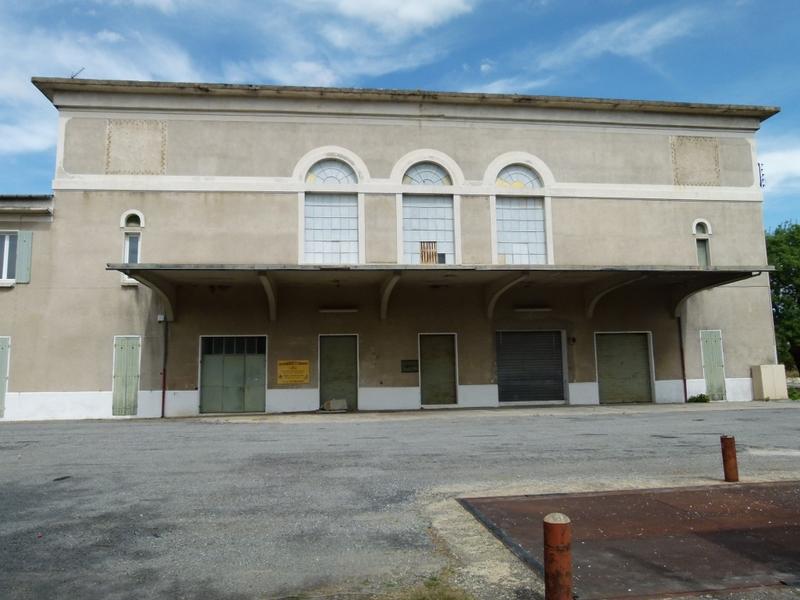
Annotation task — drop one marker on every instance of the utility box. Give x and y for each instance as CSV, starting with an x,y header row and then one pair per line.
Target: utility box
x,y
769,382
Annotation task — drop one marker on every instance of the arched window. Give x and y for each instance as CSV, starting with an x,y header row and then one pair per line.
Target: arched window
x,y
521,237
702,234
518,177
427,173
428,224
331,170
331,220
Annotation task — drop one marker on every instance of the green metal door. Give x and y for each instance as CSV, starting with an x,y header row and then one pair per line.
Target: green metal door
x,y
126,375
437,369
233,374
713,363
255,383
5,352
338,369
623,368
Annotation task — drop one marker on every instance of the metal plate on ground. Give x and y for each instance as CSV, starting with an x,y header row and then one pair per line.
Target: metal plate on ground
x,y
639,543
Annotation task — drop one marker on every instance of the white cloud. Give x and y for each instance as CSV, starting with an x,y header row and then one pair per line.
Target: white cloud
x,y
111,37
637,37
487,66
165,6
781,160
510,85
390,16
26,120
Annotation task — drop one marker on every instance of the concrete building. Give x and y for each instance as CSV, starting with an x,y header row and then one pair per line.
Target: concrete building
x,y
233,248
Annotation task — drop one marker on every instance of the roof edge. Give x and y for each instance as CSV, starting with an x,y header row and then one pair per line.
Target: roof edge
x,y
50,85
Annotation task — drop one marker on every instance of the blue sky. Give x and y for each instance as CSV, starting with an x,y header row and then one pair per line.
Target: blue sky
x,y
727,51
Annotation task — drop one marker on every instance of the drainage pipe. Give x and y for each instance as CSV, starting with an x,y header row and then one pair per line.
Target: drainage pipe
x,y
164,369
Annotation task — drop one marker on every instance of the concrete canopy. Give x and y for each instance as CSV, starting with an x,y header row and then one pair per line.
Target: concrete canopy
x,y
592,283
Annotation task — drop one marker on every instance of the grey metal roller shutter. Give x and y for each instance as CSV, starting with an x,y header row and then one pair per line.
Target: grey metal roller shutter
x,y
530,366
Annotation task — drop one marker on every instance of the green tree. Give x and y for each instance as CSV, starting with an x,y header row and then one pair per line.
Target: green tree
x,y
783,252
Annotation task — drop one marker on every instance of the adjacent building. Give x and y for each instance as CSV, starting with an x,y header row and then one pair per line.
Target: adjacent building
x,y
216,248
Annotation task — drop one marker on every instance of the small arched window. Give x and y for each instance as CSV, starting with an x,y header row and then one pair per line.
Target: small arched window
x,y
331,171
702,234
427,173
518,177
132,222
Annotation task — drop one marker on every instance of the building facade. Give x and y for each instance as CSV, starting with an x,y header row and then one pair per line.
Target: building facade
x,y
229,249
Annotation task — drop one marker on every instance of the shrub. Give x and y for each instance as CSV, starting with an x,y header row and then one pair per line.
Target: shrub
x,y
698,398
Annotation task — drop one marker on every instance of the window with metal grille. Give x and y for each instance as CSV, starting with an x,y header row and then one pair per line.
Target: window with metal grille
x,y
428,234
521,231
331,229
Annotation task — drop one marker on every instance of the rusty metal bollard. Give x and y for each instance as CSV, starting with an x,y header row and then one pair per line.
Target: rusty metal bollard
x,y
557,557
729,465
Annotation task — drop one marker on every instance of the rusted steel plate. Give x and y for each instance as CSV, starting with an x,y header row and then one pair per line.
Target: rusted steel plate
x,y
641,543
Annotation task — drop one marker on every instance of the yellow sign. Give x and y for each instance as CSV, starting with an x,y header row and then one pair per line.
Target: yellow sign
x,y
293,371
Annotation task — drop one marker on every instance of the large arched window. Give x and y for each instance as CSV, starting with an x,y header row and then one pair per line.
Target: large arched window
x,y
428,224
521,236
331,219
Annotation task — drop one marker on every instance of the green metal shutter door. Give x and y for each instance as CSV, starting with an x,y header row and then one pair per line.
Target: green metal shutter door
x,y
233,383
437,366
211,383
126,376
24,254
623,368
530,366
5,351
713,363
338,369
255,392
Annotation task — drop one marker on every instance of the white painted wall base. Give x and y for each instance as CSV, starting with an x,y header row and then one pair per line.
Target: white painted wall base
x,y
669,391
738,389
182,404
695,387
584,392
292,400
149,404
474,396
37,406
388,398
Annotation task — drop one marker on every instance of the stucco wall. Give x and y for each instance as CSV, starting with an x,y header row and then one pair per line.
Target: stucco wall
x,y
246,148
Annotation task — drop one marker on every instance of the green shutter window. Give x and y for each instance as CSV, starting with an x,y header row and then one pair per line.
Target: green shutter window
x,y
126,375
24,253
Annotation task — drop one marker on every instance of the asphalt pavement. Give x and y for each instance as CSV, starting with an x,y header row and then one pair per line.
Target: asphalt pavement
x,y
332,505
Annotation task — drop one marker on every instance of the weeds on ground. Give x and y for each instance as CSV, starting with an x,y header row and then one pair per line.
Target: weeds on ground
x,y
433,589
698,398
794,393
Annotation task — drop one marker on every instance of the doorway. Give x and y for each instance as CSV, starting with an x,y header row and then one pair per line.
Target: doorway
x,y
623,367
338,371
713,363
437,369
233,374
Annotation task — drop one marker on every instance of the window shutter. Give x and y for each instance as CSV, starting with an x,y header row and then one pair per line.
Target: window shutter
x,y
24,253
